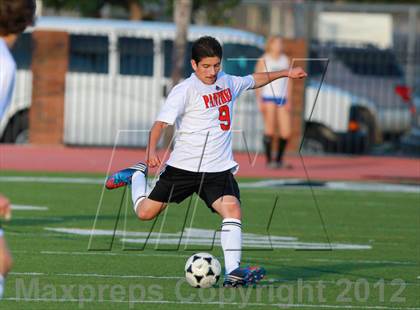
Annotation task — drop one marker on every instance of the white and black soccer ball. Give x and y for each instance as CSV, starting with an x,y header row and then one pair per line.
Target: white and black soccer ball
x,y
202,270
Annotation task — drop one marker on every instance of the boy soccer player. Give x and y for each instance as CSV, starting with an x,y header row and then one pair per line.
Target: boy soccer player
x,y
15,16
201,162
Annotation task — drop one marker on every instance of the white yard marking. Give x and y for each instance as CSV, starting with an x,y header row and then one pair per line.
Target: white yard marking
x,y
93,275
101,253
208,237
374,187
253,258
349,186
54,180
363,261
215,303
27,273
28,208
291,183
188,232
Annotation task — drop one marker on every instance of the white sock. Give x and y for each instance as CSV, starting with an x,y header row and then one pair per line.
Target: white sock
x,y
1,286
231,239
138,188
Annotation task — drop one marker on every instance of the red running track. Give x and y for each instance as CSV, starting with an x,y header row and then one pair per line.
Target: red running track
x,y
77,159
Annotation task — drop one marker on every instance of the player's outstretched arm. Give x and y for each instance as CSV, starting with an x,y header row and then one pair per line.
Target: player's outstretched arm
x,y
152,158
263,78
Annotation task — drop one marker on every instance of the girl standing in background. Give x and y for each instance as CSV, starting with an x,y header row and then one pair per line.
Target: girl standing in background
x,y
274,102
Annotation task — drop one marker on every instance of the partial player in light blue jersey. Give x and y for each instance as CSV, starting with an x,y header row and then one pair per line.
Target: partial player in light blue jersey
x,y
15,16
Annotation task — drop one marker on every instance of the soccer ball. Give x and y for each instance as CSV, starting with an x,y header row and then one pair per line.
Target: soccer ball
x,y
202,270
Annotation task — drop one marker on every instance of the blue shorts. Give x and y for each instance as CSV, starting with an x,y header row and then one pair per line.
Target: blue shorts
x,y
279,101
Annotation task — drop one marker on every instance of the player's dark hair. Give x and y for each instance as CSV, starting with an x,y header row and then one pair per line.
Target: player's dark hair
x,y
205,47
16,15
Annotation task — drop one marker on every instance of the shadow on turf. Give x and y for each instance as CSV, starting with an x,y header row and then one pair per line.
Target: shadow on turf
x,y
280,275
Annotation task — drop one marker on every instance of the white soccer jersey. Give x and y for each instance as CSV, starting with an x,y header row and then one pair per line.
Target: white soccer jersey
x,y
277,88
7,77
203,120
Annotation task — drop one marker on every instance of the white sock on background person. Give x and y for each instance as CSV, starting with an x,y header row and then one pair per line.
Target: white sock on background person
x,y
231,239
138,188
1,286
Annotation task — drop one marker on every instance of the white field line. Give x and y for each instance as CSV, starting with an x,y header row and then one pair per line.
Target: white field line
x,y
35,218
292,183
28,208
31,234
54,180
101,253
363,261
215,303
257,244
207,237
130,253
94,275
192,232
374,187
27,273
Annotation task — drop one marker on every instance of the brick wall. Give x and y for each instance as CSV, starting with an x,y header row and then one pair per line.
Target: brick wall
x,y
296,49
49,66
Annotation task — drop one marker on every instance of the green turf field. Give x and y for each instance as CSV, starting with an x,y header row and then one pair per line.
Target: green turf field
x,y
365,257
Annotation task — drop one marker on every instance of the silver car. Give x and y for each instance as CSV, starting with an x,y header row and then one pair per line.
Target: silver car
x,y
375,81
411,142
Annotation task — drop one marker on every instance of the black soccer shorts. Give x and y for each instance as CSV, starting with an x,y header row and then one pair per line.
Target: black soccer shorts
x,y
174,185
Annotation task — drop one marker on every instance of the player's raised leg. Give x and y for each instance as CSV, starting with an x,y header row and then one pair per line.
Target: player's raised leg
x,y
145,208
124,177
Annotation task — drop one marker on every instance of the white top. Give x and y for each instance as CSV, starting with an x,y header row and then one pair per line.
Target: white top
x,y
203,120
7,77
277,88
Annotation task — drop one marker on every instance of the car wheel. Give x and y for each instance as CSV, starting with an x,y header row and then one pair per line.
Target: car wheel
x,y
312,147
17,130
366,129
317,141
22,137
